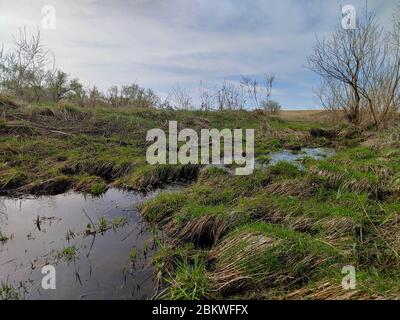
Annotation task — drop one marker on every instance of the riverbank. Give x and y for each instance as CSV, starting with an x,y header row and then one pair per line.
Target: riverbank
x,y
286,231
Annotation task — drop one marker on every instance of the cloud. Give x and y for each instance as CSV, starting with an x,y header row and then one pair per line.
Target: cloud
x,y
160,43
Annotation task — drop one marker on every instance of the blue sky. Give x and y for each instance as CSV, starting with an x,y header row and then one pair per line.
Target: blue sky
x,y
159,43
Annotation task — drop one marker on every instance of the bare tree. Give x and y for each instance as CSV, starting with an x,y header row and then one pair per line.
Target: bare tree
x,y
230,96
23,67
178,98
360,70
269,84
113,96
95,97
252,88
207,97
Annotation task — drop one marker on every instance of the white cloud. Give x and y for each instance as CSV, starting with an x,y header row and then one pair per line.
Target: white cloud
x,y
159,43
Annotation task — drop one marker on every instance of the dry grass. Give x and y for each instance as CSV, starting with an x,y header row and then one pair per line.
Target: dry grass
x,y
328,291
321,116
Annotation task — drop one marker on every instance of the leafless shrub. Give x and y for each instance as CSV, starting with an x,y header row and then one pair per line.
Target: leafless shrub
x,y
24,67
259,94
95,97
178,98
230,97
360,71
207,97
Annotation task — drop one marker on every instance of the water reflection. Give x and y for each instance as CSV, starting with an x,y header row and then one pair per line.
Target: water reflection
x,y
96,265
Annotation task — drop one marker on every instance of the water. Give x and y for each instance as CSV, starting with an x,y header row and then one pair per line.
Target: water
x,y
313,153
101,269
288,156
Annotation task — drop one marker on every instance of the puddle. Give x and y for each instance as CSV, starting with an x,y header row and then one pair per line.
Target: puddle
x,y
101,269
313,153
286,155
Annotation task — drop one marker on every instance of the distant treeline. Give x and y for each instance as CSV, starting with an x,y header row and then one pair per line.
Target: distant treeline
x,y
28,72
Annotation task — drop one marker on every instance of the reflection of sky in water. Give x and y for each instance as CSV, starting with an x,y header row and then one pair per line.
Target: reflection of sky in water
x,y
102,269
314,153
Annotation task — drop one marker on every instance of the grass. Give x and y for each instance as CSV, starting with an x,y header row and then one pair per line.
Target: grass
x,y
189,281
101,147
9,292
133,256
283,232
3,237
68,253
286,233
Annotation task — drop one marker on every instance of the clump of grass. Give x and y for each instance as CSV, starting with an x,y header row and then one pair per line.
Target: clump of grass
x,y
188,282
102,224
133,256
13,178
167,256
261,255
8,292
285,169
93,185
212,171
148,177
68,253
162,207
98,189
3,237
118,222
204,225
263,159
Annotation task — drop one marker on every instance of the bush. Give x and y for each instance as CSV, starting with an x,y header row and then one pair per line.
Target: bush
x,y
271,106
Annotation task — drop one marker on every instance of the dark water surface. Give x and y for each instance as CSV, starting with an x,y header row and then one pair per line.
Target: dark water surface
x,y
101,269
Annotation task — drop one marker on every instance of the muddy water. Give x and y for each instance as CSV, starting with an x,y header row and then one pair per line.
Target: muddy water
x,y
101,268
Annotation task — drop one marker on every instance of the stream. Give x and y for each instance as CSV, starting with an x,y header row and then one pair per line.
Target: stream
x,y
99,265
112,262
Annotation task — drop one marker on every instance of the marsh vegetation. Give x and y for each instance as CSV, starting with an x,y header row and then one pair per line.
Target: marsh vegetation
x,y
325,192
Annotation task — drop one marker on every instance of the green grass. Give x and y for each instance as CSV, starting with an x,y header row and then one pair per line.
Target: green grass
x,y
282,229
189,281
133,256
279,230
68,253
8,292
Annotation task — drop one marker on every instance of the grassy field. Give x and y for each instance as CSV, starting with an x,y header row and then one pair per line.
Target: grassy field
x,y
280,233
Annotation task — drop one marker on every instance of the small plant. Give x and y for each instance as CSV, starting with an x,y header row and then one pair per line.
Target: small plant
x,y
103,225
70,235
145,249
264,159
133,256
8,292
98,189
88,230
118,222
3,237
189,282
68,254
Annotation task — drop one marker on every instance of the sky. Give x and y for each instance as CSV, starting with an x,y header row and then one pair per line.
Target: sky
x,y
161,43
